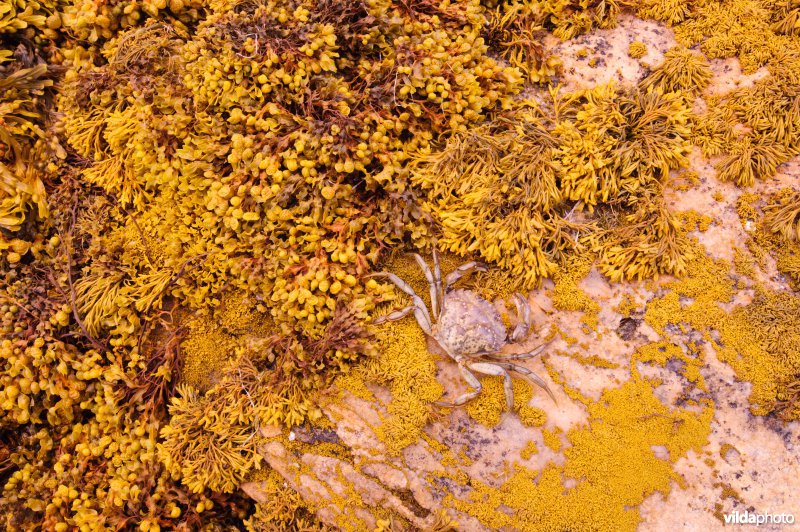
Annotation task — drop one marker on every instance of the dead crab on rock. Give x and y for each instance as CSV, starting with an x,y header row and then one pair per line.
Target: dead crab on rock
x,y
468,328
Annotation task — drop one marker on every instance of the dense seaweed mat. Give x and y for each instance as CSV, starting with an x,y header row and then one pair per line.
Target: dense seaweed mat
x,y
192,196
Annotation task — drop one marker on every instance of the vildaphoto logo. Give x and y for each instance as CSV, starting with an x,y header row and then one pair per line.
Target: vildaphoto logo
x,y
753,518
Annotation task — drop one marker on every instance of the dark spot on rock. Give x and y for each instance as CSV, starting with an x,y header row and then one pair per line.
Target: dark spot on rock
x,y
407,497
308,434
602,45
627,327
676,365
506,510
776,425
444,486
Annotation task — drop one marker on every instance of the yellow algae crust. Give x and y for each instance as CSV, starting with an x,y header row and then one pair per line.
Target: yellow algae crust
x,y
489,407
409,370
610,468
758,340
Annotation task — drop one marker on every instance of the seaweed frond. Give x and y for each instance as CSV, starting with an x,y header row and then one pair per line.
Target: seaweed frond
x,y
658,128
645,243
205,447
772,109
282,509
99,296
491,191
151,390
22,193
671,12
637,49
782,214
517,30
713,130
787,18
616,138
682,70
750,160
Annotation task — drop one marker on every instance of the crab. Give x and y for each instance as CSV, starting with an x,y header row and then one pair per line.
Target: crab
x,y
468,328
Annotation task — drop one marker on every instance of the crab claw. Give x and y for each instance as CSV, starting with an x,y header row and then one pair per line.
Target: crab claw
x,y
461,271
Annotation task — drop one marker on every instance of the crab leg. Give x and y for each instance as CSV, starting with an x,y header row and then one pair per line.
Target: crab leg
x,y
531,375
461,271
497,370
420,312
394,315
520,356
523,318
472,380
437,277
431,284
